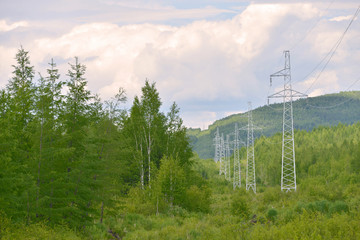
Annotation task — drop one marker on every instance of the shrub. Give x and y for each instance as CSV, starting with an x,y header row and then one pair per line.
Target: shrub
x,y
338,207
271,214
239,204
197,199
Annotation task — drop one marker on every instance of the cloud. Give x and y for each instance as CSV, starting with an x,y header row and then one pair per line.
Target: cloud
x,y
4,27
197,121
328,82
209,67
198,60
120,12
6,60
341,18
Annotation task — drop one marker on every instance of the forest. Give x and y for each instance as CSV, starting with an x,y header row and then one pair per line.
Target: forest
x,y
76,167
309,113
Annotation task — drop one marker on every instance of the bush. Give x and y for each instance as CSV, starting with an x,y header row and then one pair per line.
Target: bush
x,y
338,207
197,199
239,204
272,194
271,214
322,206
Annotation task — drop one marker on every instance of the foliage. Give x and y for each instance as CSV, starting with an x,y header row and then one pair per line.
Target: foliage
x,y
309,113
240,204
74,167
67,158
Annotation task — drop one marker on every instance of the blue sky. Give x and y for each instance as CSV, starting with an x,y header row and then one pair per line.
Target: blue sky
x,y
211,57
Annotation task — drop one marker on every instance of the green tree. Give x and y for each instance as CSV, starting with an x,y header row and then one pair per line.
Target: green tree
x,y
108,142
46,141
153,127
80,169
177,142
172,181
134,133
20,114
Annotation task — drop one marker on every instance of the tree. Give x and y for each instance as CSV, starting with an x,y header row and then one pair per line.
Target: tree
x,y
133,129
20,114
177,144
107,142
172,182
75,117
153,127
46,140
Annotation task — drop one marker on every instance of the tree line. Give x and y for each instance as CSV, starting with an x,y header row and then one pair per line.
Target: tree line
x,y
67,157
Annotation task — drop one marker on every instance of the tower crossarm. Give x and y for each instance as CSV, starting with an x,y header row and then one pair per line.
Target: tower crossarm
x,y
280,73
284,93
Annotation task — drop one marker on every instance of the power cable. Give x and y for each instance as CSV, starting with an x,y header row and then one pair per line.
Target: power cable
x,y
311,29
338,104
334,49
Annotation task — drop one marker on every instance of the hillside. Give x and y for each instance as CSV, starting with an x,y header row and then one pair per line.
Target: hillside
x,y
326,110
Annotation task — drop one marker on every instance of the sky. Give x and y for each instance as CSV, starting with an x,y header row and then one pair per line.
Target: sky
x,y
210,57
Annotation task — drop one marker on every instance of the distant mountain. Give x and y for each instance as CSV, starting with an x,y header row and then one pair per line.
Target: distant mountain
x,y
325,110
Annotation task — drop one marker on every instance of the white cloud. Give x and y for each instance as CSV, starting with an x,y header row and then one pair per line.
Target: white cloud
x,y
210,66
6,60
5,27
341,18
232,112
196,120
329,82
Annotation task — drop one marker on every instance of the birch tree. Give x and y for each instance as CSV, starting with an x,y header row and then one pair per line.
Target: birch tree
x,y
153,126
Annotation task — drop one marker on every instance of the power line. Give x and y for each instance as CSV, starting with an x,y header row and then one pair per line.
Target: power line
x,y
311,29
329,107
334,49
338,104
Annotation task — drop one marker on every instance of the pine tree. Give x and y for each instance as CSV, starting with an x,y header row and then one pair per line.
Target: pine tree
x,y
47,138
75,120
20,116
108,142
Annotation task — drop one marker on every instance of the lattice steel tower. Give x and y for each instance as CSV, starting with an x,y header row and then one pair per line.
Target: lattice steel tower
x,y
237,168
222,155
250,168
217,145
288,172
227,158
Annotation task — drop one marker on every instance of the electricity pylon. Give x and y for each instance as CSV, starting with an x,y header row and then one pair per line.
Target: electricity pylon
x,y
217,145
227,158
222,155
237,167
288,173
250,159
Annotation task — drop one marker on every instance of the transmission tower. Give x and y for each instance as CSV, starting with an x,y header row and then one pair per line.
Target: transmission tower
x,y
288,173
222,155
250,162
227,158
237,168
217,145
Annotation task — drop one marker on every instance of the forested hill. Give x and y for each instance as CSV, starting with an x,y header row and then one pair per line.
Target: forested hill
x,y
326,110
